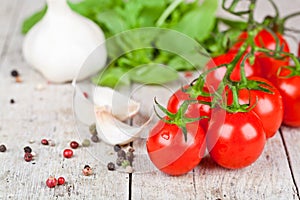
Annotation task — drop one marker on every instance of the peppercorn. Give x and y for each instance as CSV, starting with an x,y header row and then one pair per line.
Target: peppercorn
x,y
130,149
121,153
125,163
129,156
51,143
12,101
68,153
14,73
93,129
86,143
87,170
95,138
51,182
2,148
27,149
111,166
74,145
117,148
28,157
18,79
119,161
85,94
44,142
60,181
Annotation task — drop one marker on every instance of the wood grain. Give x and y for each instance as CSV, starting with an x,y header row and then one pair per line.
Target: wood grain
x,y
47,113
268,178
38,114
8,10
291,139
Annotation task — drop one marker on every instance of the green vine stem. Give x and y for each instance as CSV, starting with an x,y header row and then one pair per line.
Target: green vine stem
x,y
291,55
167,12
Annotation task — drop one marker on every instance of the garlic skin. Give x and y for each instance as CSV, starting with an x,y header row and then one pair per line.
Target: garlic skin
x,y
107,108
121,106
60,44
113,131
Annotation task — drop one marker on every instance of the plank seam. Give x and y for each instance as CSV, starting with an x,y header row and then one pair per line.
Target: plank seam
x,y
130,175
289,163
194,184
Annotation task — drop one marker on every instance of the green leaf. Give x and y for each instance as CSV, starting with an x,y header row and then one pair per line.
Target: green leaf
x,y
114,23
32,20
179,64
153,3
112,77
153,74
199,22
240,25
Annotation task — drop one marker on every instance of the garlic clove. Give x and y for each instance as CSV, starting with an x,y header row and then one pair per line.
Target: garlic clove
x,y
121,106
113,131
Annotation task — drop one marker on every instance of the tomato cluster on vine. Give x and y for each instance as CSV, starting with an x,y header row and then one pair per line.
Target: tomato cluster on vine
x,y
237,104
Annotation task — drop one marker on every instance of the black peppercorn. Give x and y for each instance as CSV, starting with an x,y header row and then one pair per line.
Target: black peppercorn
x,y
2,148
27,149
95,138
12,101
111,166
14,73
119,161
117,148
121,153
129,156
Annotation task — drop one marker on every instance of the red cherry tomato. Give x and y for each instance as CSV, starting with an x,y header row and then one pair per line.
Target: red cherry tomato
x,y
215,77
194,110
266,40
169,151
289,89
237,141
269,107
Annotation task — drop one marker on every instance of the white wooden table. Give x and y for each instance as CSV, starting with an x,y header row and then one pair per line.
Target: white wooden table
x,y
47,113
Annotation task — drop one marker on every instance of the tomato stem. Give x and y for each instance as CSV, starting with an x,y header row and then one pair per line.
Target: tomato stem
x,y
236,104
179,119
243,73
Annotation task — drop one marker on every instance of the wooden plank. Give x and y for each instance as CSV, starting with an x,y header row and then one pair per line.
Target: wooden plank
x,y
268,178
7,11
148,182
291,138
39,114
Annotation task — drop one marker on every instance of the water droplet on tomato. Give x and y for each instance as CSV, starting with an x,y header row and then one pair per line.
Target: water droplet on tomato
x,y
166,136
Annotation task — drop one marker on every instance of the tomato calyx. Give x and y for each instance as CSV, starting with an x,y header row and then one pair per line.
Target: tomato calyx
x,y
179,119
196,88
285,72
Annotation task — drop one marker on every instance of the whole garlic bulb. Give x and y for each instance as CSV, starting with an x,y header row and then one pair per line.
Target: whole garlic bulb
x,y
59,45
